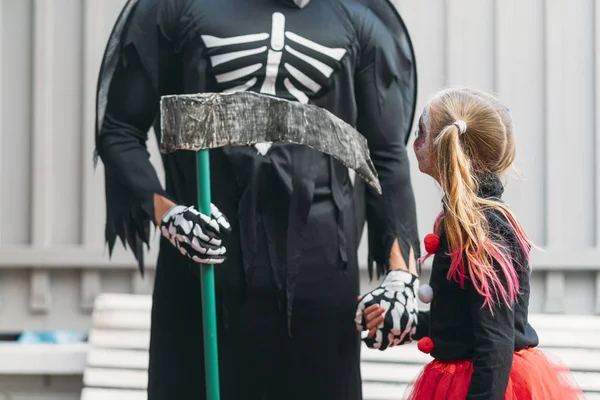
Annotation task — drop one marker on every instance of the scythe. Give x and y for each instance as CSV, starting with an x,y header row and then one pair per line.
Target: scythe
x,y
200,122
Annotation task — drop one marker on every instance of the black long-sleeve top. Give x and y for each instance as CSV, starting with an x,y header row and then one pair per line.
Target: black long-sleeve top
x,y
353,58
461,329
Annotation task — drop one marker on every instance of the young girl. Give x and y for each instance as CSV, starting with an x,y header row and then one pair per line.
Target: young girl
x,y
477,331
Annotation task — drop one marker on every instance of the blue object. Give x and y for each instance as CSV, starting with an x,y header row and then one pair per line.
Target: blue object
x,y
53,337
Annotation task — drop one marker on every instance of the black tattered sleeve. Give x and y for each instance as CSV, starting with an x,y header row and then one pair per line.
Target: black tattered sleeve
x,y
126,106
384,84
130,179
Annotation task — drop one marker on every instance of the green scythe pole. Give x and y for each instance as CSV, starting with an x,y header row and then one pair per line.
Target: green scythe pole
x,y
207,282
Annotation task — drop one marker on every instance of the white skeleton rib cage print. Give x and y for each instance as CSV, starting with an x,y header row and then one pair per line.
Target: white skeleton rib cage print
x,y
274,52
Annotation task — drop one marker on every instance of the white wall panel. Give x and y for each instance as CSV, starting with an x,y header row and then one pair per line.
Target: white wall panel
x,y
17,107
520,83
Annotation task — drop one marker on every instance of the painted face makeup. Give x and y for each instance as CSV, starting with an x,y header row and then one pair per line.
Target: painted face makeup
x,y
421,144
421,137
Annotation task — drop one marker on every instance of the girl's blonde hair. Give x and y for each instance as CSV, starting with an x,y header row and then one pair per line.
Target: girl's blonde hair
x,y
464,161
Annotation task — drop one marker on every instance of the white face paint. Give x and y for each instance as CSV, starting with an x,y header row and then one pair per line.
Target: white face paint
x,y
422,144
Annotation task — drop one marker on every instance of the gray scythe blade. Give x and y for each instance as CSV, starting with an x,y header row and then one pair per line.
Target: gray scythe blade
x,y
210,120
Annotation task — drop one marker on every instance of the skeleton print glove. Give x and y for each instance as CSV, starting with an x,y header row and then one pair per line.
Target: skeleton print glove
x,y
196,235
397,296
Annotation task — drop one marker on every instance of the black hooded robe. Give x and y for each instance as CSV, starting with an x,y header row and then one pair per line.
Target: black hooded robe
x,y
286,295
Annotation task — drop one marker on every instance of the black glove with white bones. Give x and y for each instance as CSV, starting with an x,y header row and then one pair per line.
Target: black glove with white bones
x,y
397,295
196,235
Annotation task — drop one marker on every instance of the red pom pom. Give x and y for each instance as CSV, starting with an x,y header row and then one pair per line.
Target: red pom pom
x,y
432,243
425,345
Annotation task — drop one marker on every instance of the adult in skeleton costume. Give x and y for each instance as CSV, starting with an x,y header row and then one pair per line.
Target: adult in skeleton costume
x,y
288,282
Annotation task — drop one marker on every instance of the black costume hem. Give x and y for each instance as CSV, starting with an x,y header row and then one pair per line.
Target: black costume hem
x,y
382,266
130,221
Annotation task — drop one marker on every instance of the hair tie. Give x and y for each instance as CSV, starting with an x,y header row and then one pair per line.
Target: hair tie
x,y
461,125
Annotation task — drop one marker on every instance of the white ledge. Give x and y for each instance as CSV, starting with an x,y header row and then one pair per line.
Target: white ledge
x,y
42,359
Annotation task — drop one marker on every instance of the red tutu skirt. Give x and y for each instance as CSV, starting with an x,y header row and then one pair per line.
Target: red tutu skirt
x,y
534,376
